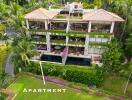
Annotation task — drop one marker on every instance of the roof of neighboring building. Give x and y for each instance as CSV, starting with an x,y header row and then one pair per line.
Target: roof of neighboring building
x,y
101,15
40,14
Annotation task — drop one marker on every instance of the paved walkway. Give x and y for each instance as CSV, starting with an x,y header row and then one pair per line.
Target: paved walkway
x,y
9,68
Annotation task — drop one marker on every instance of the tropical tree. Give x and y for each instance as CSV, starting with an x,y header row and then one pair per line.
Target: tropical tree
x,y
4,13
16,17
98,3
124,9
128,49
3,79
22,51
2,29
111,58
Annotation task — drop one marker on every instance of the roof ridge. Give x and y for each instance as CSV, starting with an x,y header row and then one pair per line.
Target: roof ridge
x,y
112,14
41,9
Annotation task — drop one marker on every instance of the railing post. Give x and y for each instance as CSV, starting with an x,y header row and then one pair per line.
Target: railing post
x,y
48,42
27,23
86,45
89,26
46,25
67,39
68,26
112,27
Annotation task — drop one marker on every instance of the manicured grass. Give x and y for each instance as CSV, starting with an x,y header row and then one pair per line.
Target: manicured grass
x,y
24,81
115,85
3,53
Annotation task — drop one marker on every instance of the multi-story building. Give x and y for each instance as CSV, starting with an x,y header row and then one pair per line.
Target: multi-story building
x,y
86,33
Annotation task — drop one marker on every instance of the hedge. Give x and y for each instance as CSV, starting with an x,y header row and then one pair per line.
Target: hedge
x,y
91,76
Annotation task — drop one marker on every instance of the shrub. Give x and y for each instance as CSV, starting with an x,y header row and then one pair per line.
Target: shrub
x,y
86,75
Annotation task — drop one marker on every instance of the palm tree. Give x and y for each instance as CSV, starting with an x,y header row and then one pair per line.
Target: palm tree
x,y
4,13
22,51
17,16
124,8
98,3
3,79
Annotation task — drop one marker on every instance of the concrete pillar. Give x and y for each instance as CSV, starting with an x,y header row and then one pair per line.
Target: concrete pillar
x,y
50,25
46,25
48,42
67,39
86,45
89,26
27,23
68,26
112,27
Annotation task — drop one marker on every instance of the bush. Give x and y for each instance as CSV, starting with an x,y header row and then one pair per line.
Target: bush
x,y
86,75
88,6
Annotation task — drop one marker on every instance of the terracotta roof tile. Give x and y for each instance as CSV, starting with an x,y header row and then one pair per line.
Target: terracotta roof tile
x,y
101,15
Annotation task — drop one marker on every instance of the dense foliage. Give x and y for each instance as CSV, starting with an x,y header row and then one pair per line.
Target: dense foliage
x,y
112,57
86,75
22,51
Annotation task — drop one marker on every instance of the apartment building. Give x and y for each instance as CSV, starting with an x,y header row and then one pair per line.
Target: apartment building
x,y
70,33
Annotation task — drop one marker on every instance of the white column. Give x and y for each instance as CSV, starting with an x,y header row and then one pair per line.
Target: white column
x,y
89,26
112,27
67,39
48,42
68,26
46,25
27,23
86,45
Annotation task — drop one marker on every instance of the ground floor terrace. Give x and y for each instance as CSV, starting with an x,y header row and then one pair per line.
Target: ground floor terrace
x,y
75,55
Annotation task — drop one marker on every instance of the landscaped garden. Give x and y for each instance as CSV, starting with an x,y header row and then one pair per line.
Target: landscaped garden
x,y
114,78
23,82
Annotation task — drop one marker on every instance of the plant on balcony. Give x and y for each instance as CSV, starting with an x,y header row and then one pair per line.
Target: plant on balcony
x,y
76,42
76,32
38,40
60,16
98,44
99,33
58,41
57,31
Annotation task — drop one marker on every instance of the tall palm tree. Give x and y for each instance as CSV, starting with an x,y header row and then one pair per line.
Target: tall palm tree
x,y
22,50
4,12
3,79
17,16
124,9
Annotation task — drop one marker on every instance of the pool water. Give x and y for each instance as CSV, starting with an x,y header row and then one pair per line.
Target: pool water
x,y
70,60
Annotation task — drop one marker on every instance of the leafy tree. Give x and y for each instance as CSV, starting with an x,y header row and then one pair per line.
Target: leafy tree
x,y
98,3
128,49
112,57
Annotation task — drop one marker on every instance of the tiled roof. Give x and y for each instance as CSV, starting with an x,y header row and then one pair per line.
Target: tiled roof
x,y
40,14
101,15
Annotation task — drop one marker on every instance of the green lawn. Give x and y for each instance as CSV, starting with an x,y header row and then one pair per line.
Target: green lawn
x,y
3,53
24,81
115,85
